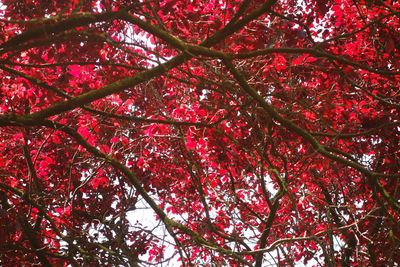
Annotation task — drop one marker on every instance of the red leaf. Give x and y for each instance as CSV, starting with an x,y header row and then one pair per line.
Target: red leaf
x,y
74,70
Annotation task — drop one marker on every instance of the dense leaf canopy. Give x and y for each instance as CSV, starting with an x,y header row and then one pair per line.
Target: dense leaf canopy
x,y
248,132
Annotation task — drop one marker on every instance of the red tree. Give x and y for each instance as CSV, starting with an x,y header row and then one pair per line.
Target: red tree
x,y
257,132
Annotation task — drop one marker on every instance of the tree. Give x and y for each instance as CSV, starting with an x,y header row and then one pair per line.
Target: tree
x,y
257,132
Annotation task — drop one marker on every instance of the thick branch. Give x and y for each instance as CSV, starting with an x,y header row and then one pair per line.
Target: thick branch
x,y
77,20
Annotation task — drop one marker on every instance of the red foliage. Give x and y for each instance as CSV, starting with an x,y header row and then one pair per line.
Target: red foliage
x,y
250,131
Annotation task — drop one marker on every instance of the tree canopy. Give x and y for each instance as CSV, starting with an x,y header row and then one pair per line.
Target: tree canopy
x,y
250,132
